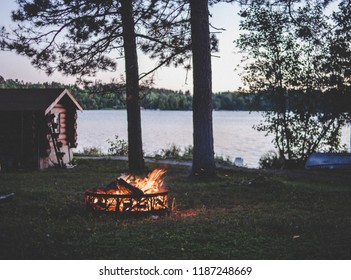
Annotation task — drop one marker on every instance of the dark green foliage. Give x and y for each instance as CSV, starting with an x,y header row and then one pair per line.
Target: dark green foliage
x,y
97,97
238,215
175,152
299,61
118,147
91,151
271,160
164,99
93,98
88,98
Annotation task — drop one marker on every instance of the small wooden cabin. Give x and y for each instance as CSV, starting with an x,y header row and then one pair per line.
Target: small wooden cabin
x,y
38,127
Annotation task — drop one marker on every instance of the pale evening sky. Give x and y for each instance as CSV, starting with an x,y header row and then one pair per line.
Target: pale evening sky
x,y
224,77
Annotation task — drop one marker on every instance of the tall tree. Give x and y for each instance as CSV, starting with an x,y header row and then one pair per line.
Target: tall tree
x,y
203,153
201,46
135,151
287,55
338,66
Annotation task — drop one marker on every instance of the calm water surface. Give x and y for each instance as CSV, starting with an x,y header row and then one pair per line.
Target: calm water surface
x,y
233,132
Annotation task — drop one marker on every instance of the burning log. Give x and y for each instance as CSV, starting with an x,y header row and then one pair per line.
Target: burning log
x,y
136,192
129,194
111,186
7,197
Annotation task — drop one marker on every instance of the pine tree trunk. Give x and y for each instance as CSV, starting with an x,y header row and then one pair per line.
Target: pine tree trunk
x,y
203,153
135,151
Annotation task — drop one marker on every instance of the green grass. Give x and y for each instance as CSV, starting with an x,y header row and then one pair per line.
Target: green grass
x,y
239,215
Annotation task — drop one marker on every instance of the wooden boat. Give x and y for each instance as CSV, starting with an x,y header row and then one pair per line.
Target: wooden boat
x,y
329,161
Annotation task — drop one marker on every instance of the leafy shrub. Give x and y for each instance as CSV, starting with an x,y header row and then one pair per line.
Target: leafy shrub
x,y
91,151
271,160
223,160
118,147
173,151
188,152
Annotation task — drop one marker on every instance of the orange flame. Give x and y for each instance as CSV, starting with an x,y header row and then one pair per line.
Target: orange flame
x,y
152,183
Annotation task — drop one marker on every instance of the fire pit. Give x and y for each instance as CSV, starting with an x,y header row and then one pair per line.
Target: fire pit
x,y
129,194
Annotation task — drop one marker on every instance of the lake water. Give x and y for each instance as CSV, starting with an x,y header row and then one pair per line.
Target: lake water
x,y
233,132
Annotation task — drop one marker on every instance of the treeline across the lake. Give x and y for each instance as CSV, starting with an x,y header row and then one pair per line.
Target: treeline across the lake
x,y
152,98
166,99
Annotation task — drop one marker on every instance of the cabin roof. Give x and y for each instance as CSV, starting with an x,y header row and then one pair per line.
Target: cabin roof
x,y
34,99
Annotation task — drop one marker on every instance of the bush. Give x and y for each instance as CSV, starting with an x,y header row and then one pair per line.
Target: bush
x,y
175,152
188,152
118,147
223,160
91,151
271,160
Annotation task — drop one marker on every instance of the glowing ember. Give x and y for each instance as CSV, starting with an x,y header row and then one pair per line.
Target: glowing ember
x,y
131,194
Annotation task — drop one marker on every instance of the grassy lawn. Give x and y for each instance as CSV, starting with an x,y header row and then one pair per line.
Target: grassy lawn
x,y
239,215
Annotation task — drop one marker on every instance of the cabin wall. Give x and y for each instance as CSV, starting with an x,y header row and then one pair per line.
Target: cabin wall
x,y
21,136
10,138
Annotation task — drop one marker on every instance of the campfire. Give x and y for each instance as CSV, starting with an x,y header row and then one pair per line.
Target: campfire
x,y
129,194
